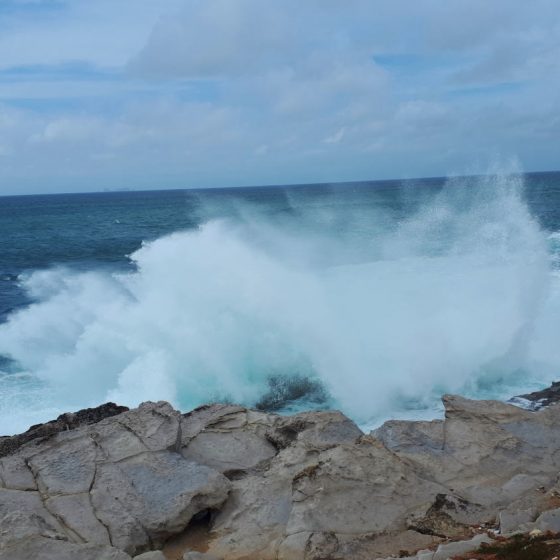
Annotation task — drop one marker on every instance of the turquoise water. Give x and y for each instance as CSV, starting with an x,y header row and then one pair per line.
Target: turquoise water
x,y
382,294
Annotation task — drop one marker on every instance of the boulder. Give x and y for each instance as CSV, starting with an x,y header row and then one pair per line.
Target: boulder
x,y
105,488
157,494
67,421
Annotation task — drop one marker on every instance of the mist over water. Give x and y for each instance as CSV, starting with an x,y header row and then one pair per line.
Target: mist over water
x,y
383,307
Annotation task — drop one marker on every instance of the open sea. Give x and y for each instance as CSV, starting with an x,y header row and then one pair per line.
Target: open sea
x,y
374,297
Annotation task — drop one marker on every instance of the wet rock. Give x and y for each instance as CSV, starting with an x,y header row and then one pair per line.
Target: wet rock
x,y
539,399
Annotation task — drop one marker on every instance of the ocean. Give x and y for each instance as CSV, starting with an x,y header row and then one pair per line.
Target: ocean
x,y
374,298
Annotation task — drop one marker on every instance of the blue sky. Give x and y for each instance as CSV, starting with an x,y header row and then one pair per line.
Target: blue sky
x,y
202,93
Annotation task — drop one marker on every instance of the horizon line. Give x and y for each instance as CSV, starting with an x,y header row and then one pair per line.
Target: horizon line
x,y
117,190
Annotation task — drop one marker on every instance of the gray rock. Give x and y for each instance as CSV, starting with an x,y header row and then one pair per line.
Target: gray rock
x,y
38,548
449,550
156,493
511,521
306,487
15,474
77,514
155,555
113,483
229,451
68,421
549,521
23,515
67,468
192,555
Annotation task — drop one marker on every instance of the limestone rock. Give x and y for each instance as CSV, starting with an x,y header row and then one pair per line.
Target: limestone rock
x,y
511,521
158,494
23,515
16,474
155,555
449,550
76,512
118,483
487,451
39,548
254,485
68,421
549,521
199,556
238,450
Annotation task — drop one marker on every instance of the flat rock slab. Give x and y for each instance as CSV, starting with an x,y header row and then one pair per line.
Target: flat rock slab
x,y
49,549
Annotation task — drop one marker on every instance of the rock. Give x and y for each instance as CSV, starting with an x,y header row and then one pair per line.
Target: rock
x,y
447,517
66,468
488,449
118,483
246,484
238,450
68,421
157,493
192,555
23,515
539,399
38,548
449,550
549,521
15,474
155,555
511,521
76,512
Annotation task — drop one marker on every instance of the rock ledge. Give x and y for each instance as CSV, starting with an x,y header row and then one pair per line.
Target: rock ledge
x,y
231,483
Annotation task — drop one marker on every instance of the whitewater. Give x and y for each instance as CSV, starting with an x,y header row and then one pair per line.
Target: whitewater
x,y
357,306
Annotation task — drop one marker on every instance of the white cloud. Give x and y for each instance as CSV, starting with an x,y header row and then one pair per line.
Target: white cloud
x,y
156,93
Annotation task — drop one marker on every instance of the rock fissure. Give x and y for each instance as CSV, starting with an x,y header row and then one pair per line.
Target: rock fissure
x,y
99,519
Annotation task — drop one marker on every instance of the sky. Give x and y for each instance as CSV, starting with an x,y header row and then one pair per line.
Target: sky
x,y
137,94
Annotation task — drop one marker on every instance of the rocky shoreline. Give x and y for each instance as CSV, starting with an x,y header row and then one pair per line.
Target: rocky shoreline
x,y
226,482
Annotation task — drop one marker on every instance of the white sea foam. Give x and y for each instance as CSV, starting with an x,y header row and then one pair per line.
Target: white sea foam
x,y
457,297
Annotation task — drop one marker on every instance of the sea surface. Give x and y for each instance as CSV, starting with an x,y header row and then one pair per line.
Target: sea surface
x,y
373,297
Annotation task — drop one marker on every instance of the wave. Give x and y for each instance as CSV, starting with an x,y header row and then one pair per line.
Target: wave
x,y
378,312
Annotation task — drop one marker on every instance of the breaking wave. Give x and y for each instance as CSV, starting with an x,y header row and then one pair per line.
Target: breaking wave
x,y
353,307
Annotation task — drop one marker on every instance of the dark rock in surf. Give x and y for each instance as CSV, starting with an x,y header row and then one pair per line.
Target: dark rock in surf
x,y
539,399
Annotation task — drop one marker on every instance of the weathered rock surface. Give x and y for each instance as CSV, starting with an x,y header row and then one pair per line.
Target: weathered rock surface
x,y
110,489
67,421
253,485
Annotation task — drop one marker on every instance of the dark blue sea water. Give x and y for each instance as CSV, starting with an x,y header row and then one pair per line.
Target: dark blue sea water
x,y
383,294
